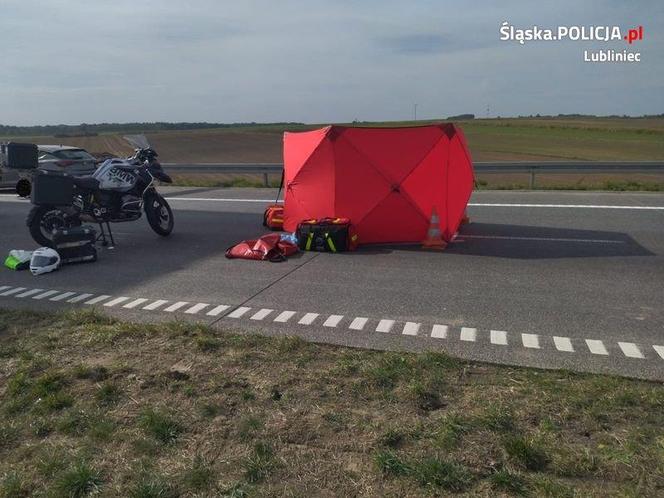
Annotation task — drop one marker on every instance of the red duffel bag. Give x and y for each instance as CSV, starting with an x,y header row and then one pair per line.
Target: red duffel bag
x,y
269,247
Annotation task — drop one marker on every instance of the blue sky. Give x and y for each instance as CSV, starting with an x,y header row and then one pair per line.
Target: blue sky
x,y
73,61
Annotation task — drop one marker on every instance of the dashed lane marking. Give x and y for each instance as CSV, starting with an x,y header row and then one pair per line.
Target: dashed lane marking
x,y
530,341
411,328
155,304
261,314
630,350
596,347
239,312
498,337
308,319
439,331
358,323
385,326
468,334
284,316
63,296
563,344
332,321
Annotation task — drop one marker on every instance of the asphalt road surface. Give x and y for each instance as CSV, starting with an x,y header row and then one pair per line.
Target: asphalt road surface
x,y
544,279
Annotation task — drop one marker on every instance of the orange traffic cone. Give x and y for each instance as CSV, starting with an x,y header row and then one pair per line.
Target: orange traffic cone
x,y
434,238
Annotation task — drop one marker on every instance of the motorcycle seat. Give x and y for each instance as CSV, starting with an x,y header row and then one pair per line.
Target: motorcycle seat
x,y
86,182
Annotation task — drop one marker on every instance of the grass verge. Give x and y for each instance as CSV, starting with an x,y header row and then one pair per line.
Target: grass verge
x,y
90,405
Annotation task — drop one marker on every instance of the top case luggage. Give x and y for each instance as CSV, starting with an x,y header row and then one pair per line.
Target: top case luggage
x,y
76,245
326,235
22,156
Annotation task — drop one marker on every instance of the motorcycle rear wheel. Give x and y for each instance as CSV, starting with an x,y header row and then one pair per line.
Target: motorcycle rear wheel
x,y
44,220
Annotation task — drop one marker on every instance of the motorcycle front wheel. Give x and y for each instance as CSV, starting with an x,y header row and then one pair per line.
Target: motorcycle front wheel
x,y
44,220
159,215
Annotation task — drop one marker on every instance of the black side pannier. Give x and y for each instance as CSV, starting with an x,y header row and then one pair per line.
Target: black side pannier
x,y
52,188
76,244
22,156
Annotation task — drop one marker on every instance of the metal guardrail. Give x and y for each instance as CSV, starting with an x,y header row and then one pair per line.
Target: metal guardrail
x,y
531,168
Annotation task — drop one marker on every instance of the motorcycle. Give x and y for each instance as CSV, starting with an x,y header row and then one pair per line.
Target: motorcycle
x,y
120,190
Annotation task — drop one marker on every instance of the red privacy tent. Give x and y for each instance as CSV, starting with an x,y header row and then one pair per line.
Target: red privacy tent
x,y
386,180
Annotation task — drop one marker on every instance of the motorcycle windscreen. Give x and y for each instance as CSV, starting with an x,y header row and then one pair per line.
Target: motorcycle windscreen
x,y
138,141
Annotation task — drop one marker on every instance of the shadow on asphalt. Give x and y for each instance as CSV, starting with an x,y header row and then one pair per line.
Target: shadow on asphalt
x,y
531,242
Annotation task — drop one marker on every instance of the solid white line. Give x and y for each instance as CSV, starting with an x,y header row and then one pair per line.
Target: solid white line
x,y
659,350
332,321
259,315
135,302
563,344
15,290
631,350
410,328
80,298
284,316
308,319
571,206
176,306
439,331
385,326
358,323
546,239
97,299
45,294
196,308
474,204
154,305
498,337
217,310
115,301
29,293
239,312
596,347
62,296
468,334
530,341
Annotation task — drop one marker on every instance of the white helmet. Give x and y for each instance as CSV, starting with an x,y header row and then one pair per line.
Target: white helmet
x,y
44,260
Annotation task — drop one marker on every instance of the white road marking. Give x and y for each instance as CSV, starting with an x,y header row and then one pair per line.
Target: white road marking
x,y
239,312
79,298
498,337
563,344
176,306
155,304
15,290
410,328
135,302
439,331
530,341
46,294
308,319
659,350
217,310
468,334
474,204
97,299
115,301
62,296
358,323
546,239
596,347
259,315
284,316
29,293
5,287
385,326
631,350
569,206
332,321
196,308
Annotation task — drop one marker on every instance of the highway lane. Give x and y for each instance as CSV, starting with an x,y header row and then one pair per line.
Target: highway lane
x,y
527,285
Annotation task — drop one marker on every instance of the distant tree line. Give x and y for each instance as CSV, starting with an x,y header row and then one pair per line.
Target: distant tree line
x,y
86,129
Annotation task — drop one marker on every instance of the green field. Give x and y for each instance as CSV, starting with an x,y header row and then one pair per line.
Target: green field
x,y
91,406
